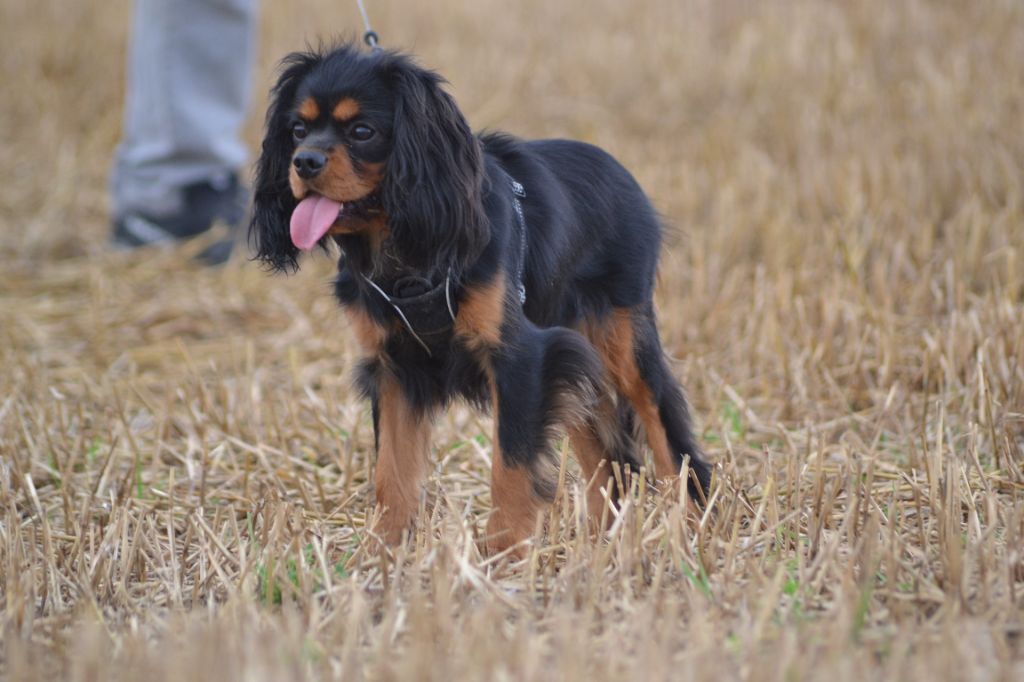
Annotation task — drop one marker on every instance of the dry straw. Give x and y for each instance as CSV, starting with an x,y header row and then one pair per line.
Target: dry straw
x,y
184,468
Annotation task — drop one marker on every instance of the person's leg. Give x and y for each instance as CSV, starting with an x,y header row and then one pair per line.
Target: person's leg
x,y
189,76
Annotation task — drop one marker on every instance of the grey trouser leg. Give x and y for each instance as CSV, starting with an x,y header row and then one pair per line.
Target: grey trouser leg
x,y
189,77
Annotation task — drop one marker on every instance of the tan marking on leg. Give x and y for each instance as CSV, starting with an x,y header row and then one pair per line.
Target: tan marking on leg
x,y
643,402
514,516
370,334
515,504
346,109
616,344
481,314
309,110
597,472
401,461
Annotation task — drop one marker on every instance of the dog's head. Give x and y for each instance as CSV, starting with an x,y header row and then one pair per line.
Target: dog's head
x,y
361,143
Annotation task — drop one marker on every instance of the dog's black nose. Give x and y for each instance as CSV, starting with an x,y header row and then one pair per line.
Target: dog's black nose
x,y
308,163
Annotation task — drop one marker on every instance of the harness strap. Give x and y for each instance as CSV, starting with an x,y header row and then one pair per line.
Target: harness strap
x,y
396,305
519,192
420,305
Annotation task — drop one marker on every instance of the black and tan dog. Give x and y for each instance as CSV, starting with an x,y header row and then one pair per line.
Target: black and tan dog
x,y
515,274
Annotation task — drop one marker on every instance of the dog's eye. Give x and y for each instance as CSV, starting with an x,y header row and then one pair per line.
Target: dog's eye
x,y
299,131
362,133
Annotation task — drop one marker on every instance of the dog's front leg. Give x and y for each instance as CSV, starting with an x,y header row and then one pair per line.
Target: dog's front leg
x,y
403,448
512,361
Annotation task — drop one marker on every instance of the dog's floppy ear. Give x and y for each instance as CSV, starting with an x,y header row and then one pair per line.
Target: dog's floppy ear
x,y
273,201
432,183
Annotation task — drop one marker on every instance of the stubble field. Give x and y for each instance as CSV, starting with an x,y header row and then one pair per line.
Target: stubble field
x,y
185,468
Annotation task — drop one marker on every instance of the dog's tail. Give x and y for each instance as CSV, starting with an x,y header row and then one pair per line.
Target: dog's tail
x,y
572,375
548,379
578,395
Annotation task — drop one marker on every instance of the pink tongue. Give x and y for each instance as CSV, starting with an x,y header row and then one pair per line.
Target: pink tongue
x,y
311,219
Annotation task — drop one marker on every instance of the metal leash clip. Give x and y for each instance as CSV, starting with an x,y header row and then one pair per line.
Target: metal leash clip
x,y
370,37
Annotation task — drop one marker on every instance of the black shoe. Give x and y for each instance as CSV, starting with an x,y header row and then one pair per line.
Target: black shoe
x,y
205,203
